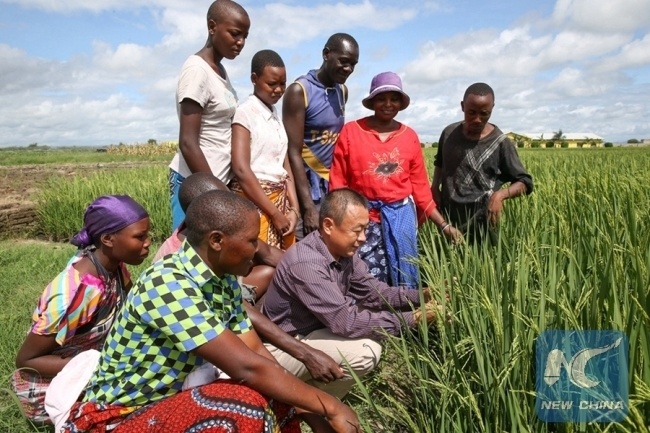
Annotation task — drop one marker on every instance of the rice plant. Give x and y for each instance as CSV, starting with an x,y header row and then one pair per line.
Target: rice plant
x,y
574,255
61,205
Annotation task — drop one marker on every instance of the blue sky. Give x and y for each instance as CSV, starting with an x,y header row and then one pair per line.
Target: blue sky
x,y
75,72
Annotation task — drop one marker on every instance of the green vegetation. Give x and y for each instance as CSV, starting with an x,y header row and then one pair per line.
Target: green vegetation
x,y
46,155
573,255
61,204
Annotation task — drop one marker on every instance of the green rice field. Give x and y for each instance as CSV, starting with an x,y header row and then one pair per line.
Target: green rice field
x,y
573,255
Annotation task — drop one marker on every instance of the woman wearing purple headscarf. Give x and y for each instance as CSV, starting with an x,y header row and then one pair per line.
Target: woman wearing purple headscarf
x,y
77,309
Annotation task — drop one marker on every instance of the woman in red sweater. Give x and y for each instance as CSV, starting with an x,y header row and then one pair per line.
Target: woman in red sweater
x,y
382,159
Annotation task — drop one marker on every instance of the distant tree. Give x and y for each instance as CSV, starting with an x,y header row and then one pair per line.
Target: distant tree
x,y
434,144
520,142
557,136
550,144
632,141
564,144
152,141
33,145
535,144
609,144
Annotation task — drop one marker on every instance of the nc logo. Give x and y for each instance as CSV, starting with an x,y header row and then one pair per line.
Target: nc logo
x,y
594,385
576,367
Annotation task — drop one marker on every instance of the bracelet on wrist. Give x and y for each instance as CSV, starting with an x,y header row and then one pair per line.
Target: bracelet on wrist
x,y
444,227
294,210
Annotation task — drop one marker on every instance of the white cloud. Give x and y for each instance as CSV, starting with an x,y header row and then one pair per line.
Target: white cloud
x,y
572,70
514,52
67,6
83,121
545,76
603,16
633,54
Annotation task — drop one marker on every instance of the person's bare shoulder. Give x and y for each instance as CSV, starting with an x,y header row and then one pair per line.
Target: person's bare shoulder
x,y
294,98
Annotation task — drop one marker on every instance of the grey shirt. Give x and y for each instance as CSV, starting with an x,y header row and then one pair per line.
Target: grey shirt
x,y
310,290
472,170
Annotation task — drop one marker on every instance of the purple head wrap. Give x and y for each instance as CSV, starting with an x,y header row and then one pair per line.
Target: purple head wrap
x,y
108,214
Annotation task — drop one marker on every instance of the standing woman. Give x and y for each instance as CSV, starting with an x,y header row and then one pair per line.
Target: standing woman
x,y
382,159
259,152
78,307
206,102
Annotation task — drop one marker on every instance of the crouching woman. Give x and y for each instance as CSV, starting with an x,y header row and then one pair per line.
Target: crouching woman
x,y
77,309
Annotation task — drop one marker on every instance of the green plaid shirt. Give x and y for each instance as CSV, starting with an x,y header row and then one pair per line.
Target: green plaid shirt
x,y
177,305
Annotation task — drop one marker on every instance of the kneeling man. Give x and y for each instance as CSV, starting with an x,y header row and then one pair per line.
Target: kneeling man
x,y
323,294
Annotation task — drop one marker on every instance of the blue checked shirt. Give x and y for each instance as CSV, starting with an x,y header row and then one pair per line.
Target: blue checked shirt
x,y
177,305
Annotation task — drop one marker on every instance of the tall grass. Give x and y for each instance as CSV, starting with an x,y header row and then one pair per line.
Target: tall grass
x,y
14,157
152,148
61,205
574,255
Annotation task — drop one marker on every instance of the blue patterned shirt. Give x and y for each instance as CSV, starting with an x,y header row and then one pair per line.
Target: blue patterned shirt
x,y
177,305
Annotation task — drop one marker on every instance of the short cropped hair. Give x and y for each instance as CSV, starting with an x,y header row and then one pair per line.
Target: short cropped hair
x,y
195,185
337,40
336,203
479,89
224,8
265,58
216,210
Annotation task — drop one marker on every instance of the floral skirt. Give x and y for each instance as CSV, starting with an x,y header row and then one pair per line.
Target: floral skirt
x,y
219,407
373,252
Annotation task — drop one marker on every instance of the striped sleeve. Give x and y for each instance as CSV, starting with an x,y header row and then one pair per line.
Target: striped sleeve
x,y
67,303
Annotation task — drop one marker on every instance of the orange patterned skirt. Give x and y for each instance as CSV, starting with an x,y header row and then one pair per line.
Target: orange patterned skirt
x,y
277,193
219,407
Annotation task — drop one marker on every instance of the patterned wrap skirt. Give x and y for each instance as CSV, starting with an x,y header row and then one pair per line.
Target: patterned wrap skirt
x,y
219,407
277,193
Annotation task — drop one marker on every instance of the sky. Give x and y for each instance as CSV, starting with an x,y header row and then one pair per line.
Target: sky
x,y
78,72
